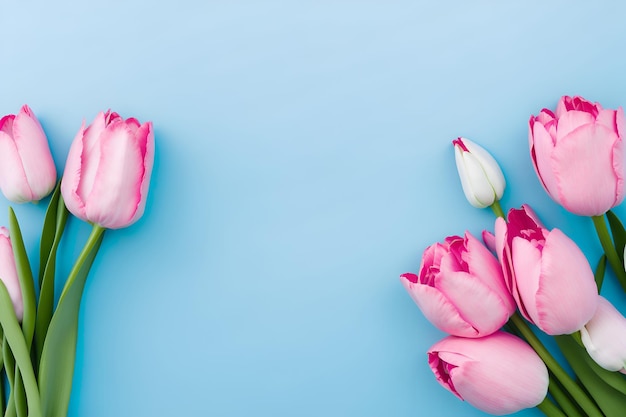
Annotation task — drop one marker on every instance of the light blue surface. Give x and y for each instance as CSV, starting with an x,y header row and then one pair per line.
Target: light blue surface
x,y
303,162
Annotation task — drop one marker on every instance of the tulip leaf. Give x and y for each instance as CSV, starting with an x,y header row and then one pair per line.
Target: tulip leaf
x,y
600,270
618,232
611,401
59,351
48,268
48,231
20,351
25,277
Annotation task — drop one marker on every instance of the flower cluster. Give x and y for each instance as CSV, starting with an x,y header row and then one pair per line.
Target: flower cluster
x,y
492,297
105,183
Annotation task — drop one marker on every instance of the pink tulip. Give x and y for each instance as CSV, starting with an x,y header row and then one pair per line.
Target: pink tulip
x,y
460,288
604,337
27,171
578,155
498,374
546,272
108,171
8,273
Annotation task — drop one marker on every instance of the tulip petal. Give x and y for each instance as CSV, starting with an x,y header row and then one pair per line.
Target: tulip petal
x,y
437,309
145,139
32,146
541,153
586,182
462,290
480,190
13,181
8,273
115,196
526,260
567,295
490,166
604,336
72,176
90,156
570,121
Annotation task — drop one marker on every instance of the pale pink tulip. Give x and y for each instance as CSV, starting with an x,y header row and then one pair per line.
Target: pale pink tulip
x,y
108,170
498,374
8,273
27,171
578,154
546,272
460,288
604,337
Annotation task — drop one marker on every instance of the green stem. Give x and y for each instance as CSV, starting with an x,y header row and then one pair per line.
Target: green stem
x,y
549,409
497,209
560,374
609,249
563,400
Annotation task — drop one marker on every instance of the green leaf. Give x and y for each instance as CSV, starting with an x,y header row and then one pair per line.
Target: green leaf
x,y
21,352
618,232
46,295
25,277
611,401
59,351
48,231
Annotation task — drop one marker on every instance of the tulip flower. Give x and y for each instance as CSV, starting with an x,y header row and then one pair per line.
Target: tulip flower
x,y
578,155
498,374
27,171
460,288
481,177
546,272
108,170
8,273
604,337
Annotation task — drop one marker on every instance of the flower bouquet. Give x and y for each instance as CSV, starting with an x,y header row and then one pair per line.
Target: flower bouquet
x,y
495,297
105,183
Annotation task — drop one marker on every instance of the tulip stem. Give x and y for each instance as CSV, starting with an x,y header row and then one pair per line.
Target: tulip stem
x,y
562,399
583,400
497,209
609,249
549,409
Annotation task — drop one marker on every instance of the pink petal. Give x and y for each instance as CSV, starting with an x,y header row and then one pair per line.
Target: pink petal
x,y
438,310
8,273
571,121
34,151
567,296
13,181
583,164
115,196
72,176
541,153
527,266
90,156
145,138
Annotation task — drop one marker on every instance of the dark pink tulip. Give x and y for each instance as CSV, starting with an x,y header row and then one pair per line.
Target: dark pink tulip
x,y
460,288
498,374
546,272
27,171
108,170
578,154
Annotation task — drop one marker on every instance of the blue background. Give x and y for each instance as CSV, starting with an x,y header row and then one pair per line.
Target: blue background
x,y
303,163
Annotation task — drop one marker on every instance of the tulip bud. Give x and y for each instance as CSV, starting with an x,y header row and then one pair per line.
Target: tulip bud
x,y
460,288
546,272
27,171
108,170
498,374
604,337
8,273
481,177
578,154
